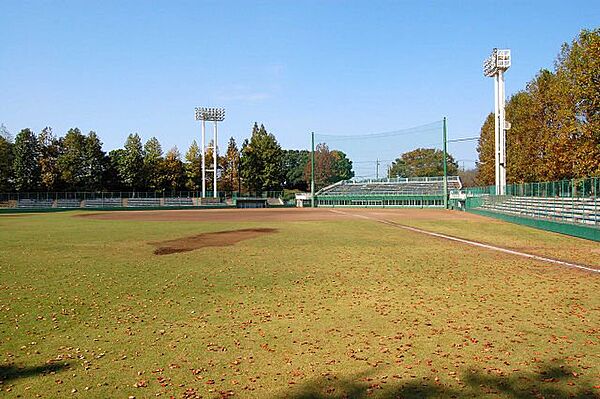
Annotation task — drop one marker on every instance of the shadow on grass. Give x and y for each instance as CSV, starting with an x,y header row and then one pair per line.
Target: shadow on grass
x,y
552,381
12,372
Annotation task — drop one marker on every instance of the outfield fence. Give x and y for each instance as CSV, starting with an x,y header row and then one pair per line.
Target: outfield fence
x,y
125,199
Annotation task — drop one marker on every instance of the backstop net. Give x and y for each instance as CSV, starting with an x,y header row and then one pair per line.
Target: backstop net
x,y
398,168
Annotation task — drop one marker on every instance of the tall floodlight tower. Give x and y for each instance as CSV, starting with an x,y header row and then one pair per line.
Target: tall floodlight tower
x,y
494,67
215,115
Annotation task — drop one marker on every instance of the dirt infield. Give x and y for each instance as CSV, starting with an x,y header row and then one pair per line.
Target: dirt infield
x,y
462,225
276,215
216,239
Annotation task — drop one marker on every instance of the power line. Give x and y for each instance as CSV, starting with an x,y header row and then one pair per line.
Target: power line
x,y
463,139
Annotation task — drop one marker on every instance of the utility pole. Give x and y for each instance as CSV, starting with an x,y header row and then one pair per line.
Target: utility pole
x,y
445,166
312,170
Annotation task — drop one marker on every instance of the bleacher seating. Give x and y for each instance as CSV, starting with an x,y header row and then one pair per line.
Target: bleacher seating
x,y
566,209
35,203
210,201
143,202
68,203
274,201
103,203
400,186
179,201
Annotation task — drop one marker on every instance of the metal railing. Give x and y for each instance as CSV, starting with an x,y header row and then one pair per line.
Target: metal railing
x,y
582,187
572,201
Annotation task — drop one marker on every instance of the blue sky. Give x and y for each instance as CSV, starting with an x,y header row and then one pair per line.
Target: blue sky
x,y
344,67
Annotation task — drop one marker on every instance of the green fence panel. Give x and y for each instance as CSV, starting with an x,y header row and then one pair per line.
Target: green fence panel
x,y
565,206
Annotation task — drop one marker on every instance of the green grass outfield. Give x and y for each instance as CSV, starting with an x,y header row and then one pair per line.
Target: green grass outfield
x,y
330,309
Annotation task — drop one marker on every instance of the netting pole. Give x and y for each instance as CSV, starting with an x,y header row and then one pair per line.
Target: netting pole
x,y
445,169
595,200
312,170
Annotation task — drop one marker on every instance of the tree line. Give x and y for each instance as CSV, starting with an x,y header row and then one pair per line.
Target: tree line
x,y
555,132
76,162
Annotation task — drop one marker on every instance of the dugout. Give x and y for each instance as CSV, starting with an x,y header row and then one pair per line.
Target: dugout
x,y
248,202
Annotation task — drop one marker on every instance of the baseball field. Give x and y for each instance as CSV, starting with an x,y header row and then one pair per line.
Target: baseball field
x,y
294,303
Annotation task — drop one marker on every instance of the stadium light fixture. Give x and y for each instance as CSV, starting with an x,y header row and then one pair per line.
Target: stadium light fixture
x,y
212,115
494,67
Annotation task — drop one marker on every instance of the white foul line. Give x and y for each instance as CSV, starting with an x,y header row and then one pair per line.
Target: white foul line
x,y
474,243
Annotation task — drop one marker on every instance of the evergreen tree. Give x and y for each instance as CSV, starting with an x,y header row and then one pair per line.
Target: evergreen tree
x,y
262,161
193,167
72,160
26,166
6,160
294,164
94,162
153,159
112,178
131,166
341,167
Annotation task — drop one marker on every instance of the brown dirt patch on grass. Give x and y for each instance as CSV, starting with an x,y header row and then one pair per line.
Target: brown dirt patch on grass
x,y
215,239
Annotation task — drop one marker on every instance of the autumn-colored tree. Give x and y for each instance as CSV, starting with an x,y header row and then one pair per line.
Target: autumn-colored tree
x,y
331,166
468,177
578,72
323,168
555,131
173,170
522,143
486,170
50,149
6,160
230,165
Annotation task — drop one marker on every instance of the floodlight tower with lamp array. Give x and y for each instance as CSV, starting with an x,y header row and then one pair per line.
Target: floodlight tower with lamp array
x,y
495,66
215,115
